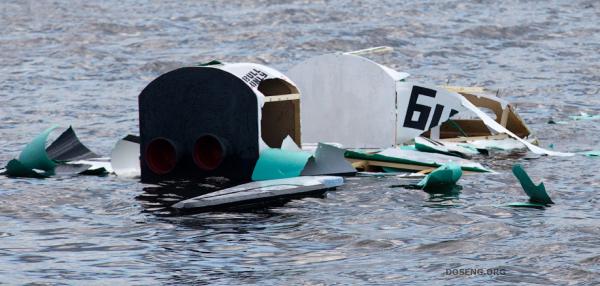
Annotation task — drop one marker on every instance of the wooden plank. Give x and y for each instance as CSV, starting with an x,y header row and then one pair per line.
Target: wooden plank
x,y
365,164
388,164
473,138
283,97
464,89
297,134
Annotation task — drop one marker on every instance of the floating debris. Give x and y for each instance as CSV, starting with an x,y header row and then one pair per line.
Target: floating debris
x,y
410,160
538,197
65,156
259,194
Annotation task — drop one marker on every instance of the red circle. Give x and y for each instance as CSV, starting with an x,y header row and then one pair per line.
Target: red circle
x,y
208,152
161,156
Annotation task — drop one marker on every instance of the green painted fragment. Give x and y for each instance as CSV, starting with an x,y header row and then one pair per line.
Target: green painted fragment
x,y
429,149
14,168
591,153
279,164
408,147
34,155
442,179
537,194
527,205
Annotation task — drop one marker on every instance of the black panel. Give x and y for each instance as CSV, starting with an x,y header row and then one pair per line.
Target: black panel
x,y
185,103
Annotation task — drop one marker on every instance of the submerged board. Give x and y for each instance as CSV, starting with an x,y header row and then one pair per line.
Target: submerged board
x,y
261,193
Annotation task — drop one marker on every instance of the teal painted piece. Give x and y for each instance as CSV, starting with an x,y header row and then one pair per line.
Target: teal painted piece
x,y
591,153
537,194
408,147
279,164
34,155
15,168
442,179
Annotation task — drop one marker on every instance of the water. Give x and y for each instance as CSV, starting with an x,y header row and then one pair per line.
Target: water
x,y
84,63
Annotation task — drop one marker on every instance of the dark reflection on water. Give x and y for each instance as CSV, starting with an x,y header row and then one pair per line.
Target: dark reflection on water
x,y
84,64
158,199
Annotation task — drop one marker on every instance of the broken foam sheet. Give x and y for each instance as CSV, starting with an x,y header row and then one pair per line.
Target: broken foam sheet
x,y
328,160
279,164
442,179
448,148
67,147
506,144
491,123
37,161
451,100
415,158
34,155
289,144
291,161
538,197
259,194
125,157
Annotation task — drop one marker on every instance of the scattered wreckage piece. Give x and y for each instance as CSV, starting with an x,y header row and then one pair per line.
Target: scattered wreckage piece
x,y
211,120
64,156
409,160
291,161
441,180
125,157
470,129
259,194
333,100
538,197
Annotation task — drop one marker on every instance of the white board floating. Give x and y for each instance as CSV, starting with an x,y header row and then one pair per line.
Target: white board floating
x,y
260,192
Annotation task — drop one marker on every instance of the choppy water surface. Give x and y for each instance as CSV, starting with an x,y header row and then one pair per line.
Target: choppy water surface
x,y
84,63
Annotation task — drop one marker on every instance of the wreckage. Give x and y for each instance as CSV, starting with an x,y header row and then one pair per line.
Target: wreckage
x,y
264,131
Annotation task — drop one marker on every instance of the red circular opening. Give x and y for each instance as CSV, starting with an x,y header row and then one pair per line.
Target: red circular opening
x,y
161,156
208,152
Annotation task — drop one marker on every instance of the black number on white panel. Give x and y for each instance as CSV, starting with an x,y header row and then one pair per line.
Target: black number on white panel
x,y
413,106
424,110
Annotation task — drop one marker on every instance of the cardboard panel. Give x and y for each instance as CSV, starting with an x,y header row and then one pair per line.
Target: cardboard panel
x,y
346,99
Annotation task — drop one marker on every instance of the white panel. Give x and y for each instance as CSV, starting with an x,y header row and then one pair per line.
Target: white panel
x,y
346,99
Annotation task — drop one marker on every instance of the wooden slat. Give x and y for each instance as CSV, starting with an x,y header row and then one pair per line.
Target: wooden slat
x,y
473,138
365,164
464,89
283,97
